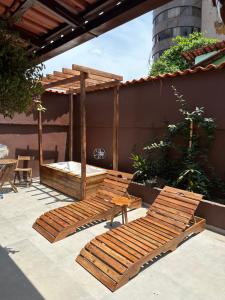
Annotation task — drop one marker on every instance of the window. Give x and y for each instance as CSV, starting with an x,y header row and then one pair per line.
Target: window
x,y
177,11
173,12
173,32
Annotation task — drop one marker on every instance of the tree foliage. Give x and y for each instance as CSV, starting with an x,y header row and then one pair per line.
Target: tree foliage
x,y
19,74
171,60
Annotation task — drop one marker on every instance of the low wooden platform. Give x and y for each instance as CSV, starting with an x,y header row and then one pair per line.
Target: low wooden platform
x,y
58,223
118,255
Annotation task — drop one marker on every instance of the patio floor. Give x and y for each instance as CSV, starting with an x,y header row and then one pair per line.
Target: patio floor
x,y
32,268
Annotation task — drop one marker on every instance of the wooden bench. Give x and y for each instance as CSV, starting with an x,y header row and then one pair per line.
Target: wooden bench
x,y
58,223
118,255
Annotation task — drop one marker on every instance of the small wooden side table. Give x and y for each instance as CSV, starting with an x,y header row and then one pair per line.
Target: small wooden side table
x,y
7,173
123,202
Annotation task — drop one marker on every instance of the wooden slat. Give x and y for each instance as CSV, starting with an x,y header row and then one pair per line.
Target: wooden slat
x,y
107,259
181,203
146,243
70,214
168,221
155,227
164,225
47,227
180,198
76,214
114,254
124,244
62,216
102,277
56,219
101,265
119,247
188,194
165,212
52,223
150,242
130,241
146,234
150,231
163,202
43,232
96,204
172,210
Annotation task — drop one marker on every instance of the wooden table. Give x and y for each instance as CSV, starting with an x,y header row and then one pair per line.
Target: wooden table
x,y
7,173
123,202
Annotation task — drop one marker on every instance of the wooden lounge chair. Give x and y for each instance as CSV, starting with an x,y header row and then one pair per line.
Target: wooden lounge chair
x,y
58,223
118,255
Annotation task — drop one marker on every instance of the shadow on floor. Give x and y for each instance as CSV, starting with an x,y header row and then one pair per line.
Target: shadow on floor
x,y
41,192
13,283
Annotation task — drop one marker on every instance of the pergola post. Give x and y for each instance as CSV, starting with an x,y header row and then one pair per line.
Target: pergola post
x,y
116,128
71,126
40,144
83,134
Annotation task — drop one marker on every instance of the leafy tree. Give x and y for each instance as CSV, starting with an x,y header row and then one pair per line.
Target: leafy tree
x,y
171,60
19,76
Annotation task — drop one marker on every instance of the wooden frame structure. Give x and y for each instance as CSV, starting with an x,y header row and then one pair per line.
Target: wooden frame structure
x,y
80,80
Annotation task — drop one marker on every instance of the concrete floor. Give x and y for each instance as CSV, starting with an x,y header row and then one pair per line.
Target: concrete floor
x,y
33,269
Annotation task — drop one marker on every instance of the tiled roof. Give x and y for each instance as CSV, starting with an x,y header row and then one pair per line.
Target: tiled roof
x,y
176,74
199,69
192,54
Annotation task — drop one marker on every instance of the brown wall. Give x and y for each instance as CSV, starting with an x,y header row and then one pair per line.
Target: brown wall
x,y
146,108
20,133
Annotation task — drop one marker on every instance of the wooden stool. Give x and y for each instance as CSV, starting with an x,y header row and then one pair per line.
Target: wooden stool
x,y
123,202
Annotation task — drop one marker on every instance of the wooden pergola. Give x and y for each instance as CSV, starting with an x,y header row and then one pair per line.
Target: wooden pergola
x,y
78,81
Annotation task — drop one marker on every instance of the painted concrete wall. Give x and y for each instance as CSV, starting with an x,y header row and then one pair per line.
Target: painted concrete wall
x,y
145,110
20,133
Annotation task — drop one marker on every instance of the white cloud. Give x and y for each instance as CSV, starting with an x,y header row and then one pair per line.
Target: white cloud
x,y
124,50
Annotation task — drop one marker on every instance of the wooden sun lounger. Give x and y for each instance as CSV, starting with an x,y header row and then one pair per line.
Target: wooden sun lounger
x,y
58,223
118,255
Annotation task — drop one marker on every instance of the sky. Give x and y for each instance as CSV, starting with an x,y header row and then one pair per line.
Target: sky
x,y
124,50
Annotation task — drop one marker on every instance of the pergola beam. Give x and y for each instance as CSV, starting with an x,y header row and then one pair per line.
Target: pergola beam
x,y
62,82
96,87
96,72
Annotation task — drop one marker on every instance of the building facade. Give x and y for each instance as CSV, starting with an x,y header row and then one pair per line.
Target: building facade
x,y
182,17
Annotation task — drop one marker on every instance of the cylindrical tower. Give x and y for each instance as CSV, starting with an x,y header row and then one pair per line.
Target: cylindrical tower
x,y
178,17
